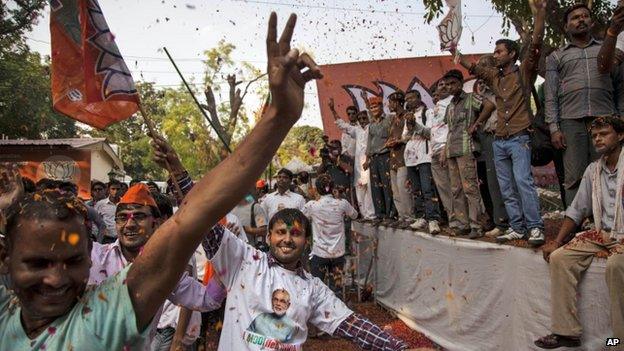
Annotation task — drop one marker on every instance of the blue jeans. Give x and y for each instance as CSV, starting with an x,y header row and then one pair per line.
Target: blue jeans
x,y
512,159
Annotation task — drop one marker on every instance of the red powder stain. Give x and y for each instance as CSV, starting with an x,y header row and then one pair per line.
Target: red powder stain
x,y
86,310
51,330
256,256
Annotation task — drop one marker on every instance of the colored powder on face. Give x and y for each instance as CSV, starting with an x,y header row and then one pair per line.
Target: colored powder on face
x,y
295,228
73,239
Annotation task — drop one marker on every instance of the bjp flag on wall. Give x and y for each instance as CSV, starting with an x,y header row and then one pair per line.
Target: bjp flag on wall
x,y
90,80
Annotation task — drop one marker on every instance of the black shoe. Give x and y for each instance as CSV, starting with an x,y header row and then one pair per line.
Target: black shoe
x,y
475,233
554,341
462,232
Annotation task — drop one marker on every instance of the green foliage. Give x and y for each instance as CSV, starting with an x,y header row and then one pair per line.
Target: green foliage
x,y
218,65
181,123
26,99
189,134
25,96
298,143
16,18
217,59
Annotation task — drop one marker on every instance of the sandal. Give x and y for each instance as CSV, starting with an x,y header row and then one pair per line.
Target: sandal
x,y
554,341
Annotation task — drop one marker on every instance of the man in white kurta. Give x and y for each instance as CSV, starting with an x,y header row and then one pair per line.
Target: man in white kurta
x,y
361,176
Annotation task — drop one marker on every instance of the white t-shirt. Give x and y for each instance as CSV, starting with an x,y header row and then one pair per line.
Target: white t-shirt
x,y
327,217
418,149
200,256
439,129
273,202
106,208
238,226
249,313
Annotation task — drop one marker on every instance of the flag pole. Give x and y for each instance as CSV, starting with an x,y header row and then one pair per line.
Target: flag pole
x,y
152,131
227,147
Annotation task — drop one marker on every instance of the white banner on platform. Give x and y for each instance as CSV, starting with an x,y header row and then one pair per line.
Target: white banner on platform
x,y
471,295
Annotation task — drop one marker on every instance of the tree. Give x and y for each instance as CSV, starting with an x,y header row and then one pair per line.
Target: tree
x,y
17,19
303,142
182,123
25,97
229,119
26,100
131,135
517,14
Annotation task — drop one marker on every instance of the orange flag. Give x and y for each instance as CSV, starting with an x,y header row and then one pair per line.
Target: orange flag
x,y
90,80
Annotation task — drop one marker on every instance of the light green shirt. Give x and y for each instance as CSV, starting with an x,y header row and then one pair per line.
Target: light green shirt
x,y
103,319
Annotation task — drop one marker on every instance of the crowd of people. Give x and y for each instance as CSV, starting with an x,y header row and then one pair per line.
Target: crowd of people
x,y
137,268
466,163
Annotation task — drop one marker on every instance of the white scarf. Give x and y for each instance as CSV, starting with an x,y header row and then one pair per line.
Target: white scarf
x,y
617,229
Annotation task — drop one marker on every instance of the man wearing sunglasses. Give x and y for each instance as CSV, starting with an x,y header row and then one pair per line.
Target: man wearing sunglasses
x,y
98,192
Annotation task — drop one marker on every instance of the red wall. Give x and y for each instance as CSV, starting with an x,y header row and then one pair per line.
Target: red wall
x,y
399,72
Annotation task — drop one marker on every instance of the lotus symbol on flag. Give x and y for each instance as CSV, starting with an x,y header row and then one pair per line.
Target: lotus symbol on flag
x,y
59,170
59,167
450,29
449,32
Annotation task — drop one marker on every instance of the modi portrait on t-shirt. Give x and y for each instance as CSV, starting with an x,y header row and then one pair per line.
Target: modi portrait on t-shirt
x,y
275,325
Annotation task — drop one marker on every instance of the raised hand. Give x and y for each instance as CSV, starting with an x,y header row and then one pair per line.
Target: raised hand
x,y
537,5
163,153
11,186
286,80
617,21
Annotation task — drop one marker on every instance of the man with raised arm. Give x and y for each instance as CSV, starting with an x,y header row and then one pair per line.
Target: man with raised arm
x,y
512,85
348,142
47,250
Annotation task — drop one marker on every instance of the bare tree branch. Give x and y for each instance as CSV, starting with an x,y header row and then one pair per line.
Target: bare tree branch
x,y
211,107
236,100
250,82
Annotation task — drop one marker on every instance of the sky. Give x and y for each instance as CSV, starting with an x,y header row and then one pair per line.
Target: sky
x,y
332,31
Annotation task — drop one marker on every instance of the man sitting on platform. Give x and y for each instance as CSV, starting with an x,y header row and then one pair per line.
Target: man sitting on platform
x,y
599,195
